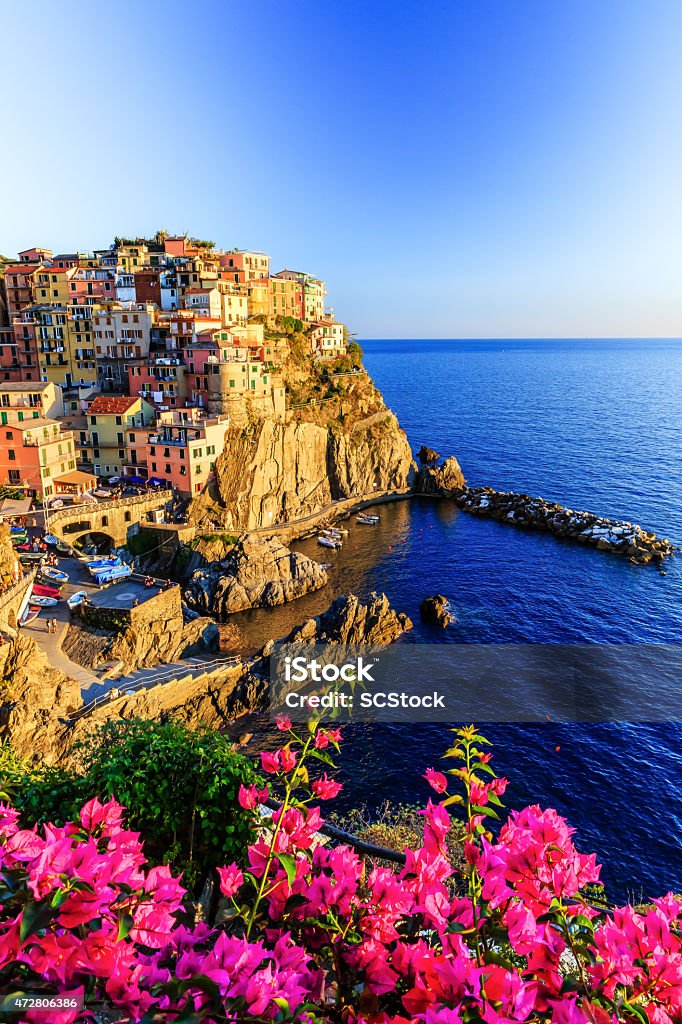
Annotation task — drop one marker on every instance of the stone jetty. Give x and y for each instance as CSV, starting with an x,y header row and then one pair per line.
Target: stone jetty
x,y
622,538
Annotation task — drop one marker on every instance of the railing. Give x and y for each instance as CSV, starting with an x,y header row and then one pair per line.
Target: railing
x,y
166,675
7,595
67,513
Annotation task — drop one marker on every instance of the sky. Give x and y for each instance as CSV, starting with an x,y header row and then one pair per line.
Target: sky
x,y
474,168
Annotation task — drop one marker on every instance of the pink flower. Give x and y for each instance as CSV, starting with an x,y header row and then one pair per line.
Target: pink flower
x,y
283,723
270,762
326,789
436,780
327,736
251,797
231,879
288,759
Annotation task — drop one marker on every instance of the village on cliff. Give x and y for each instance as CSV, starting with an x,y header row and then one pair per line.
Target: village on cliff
x,y
126,365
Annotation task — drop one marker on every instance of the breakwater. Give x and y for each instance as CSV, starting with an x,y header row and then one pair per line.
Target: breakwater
x,y
620,537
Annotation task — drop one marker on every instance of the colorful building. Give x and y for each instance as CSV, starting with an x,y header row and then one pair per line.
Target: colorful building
x,y
122,333
286,297
102,441
328,339
183,449
23,401
36,455
314,292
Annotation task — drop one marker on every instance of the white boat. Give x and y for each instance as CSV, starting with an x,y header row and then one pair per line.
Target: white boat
x,y
328,542
99,564
56,503
115,572
77,598
367,520
99,493
30,613
44,602
53,575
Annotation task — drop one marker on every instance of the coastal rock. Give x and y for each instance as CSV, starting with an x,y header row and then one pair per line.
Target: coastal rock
x,y
35,700
258,572
349,621
445,480
436,610
617,536
276,472
427,454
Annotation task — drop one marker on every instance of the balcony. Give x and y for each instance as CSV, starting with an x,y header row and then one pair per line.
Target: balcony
x,y
36,442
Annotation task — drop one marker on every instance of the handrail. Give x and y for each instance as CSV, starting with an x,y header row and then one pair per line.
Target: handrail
x,y
133,499
171,672
26,579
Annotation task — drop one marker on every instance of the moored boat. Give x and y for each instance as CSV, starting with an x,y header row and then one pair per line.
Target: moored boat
x,y
44,602
63,548
109,575
43,590
77,598
52,575
30,612
50,539
328,542
367,520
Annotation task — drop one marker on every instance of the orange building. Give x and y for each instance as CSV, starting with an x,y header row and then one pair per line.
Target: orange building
x,y
36,454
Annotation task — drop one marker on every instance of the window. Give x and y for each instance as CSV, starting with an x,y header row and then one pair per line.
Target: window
x,y
127,517
11,455
119,421
105,520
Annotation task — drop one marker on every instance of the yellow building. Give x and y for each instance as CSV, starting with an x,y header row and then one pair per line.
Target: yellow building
x,y
286,297
25,401
258,296
103,440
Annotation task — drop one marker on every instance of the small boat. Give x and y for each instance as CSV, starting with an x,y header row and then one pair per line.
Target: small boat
x,y
328,542
52,575
63,548
26,546
17,529
20,537
56,503
116,572
31,557
333,534
100,493
43,590
367,520
31,612
77,598
50,539
44,602
102,565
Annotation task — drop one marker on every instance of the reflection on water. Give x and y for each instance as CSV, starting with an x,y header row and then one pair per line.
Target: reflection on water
x,y
351,570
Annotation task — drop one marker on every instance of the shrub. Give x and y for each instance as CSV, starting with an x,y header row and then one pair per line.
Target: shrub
x,y
310,933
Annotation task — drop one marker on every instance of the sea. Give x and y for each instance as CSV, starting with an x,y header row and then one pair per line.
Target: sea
x,y
595,425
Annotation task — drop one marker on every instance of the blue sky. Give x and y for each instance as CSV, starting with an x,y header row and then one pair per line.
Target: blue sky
x,y
463,169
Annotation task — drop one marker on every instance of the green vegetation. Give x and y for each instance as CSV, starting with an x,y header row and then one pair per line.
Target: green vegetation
x,y
180,787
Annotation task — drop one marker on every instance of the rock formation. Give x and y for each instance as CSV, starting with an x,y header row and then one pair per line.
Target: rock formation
x,y
35,699
445,480
620,537
258,572
427,454
273,471
436,610
349,621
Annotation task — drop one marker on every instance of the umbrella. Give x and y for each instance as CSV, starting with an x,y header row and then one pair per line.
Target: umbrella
x,y
154,481
135,480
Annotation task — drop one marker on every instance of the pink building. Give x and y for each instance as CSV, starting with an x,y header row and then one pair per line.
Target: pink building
x,y
183,448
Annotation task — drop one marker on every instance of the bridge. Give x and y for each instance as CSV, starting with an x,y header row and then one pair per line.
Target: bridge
x,y
112,518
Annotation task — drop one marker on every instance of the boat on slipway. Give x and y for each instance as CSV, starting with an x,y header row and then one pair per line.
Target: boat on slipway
x,y
30,612
44,602
51,575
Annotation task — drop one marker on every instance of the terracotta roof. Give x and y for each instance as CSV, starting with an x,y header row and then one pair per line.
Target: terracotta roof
x,y
76,476
111,403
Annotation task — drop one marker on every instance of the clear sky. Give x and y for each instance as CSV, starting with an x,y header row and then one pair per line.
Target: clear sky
x,y
472,168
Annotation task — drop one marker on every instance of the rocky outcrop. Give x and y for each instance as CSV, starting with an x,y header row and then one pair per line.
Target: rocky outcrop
x,y
436,610
349,621
427,454
153,633
8,558
445,480
35,700
277,472
618,536
258,572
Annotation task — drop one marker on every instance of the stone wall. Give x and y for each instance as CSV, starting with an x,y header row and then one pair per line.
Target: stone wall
x,y
162,607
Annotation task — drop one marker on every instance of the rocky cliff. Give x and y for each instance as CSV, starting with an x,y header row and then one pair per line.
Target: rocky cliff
x,y
274,471
349,621
258,572
35,699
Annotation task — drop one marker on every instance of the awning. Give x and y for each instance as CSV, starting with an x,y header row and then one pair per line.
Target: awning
x,y
77,478
134,480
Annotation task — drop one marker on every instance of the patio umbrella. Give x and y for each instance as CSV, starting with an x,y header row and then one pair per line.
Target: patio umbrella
x,y
135,480
154,481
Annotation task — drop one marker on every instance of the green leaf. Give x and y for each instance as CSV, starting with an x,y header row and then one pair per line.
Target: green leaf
x,y
488,811
288,862
34,917
125,925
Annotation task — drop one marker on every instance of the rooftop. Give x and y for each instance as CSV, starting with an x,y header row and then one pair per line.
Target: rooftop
x,y
112,404
24,386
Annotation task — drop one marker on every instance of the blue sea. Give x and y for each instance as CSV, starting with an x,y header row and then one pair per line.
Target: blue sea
x,y
595,425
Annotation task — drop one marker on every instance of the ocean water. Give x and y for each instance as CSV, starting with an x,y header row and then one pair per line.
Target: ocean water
x,y
595,425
